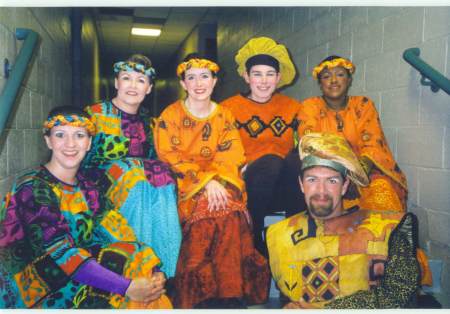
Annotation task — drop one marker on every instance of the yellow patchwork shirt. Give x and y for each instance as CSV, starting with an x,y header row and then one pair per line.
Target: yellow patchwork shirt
x,y
319,261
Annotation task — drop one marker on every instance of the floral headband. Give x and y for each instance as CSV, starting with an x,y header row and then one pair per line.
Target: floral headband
x,y
129,66
197,63
339,62
72,120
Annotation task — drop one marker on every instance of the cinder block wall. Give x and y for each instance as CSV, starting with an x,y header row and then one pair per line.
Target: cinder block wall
x,y
416,121
47,85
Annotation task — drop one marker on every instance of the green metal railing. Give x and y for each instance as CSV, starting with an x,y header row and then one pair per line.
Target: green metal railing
x,y
430,77
13,83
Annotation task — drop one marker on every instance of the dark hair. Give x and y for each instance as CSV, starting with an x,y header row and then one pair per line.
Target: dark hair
x,y
262,59
196,55
139,59
331,58
65,111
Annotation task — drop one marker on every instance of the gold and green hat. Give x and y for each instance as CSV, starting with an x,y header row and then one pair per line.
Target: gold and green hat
x,y
267,46
333,151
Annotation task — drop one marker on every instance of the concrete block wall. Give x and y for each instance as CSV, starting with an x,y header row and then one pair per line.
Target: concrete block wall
x,y
47,85
416,121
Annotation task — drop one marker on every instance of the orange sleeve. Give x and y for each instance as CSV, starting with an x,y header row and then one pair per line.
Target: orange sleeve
x,y
372,142
309,114
168,138
229,157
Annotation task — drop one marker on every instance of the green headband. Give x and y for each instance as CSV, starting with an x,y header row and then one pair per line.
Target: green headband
x,y
130,66
312,161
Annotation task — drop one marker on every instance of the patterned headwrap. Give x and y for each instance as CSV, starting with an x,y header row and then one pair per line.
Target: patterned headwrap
x,y
338,62
267,46
72,120
129,66
331,150
197,63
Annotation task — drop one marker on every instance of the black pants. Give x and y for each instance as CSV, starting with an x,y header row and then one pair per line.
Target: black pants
x,y
272,186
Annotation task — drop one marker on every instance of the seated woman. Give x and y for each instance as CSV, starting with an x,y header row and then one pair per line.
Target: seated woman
x,y
218,265
355,118
122,162
51,256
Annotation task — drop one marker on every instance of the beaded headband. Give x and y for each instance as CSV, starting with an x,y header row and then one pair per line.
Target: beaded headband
x,y
129,66
197,63
339,62
71,120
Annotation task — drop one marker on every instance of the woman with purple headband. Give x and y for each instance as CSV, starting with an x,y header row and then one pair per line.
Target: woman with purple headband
x,y
59,245
123,163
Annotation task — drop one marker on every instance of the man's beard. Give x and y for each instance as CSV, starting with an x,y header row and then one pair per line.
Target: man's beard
x,y
324,210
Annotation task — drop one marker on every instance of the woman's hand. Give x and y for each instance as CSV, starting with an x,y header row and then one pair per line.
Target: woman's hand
x,y
217,195
146,290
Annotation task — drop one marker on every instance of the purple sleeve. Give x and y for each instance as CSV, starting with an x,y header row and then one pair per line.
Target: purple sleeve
x,y
93,274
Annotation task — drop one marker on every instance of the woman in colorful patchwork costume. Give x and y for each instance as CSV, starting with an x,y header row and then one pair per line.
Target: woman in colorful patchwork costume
x,y
267,122
355,118
218,265
123,163
58,248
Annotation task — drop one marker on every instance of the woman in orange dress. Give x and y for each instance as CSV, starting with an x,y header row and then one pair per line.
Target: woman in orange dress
x,y
355,118
218,266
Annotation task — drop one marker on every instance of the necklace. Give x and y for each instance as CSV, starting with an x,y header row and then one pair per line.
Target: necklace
x,y
338,117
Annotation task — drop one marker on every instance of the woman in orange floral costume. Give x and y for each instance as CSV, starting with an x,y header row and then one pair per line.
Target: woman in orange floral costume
x,y
218,266
355,118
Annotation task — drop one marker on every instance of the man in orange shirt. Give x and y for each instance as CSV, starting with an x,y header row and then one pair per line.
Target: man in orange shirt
x,y
267,122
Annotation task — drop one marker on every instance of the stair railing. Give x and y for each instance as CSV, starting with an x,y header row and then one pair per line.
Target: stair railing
x,y
15,77
430,77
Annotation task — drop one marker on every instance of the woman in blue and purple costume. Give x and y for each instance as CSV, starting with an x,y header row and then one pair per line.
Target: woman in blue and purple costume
x,y
124,164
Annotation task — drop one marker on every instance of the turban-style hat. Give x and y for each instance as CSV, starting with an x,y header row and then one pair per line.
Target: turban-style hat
x,y
331,150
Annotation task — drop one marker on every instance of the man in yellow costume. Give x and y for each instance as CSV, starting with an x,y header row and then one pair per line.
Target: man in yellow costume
x,y
331,257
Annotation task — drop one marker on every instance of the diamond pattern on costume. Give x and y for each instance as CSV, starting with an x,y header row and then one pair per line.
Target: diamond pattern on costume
x,y
255,126
278,126
320,279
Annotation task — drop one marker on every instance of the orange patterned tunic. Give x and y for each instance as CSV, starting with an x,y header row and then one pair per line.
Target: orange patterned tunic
x,y
267,128
200,150
360,125
217,257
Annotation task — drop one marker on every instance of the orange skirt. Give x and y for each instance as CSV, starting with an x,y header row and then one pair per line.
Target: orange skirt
x,y
218,260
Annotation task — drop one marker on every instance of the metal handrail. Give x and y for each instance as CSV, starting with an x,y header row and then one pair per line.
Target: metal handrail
x,y
430,77
12,86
